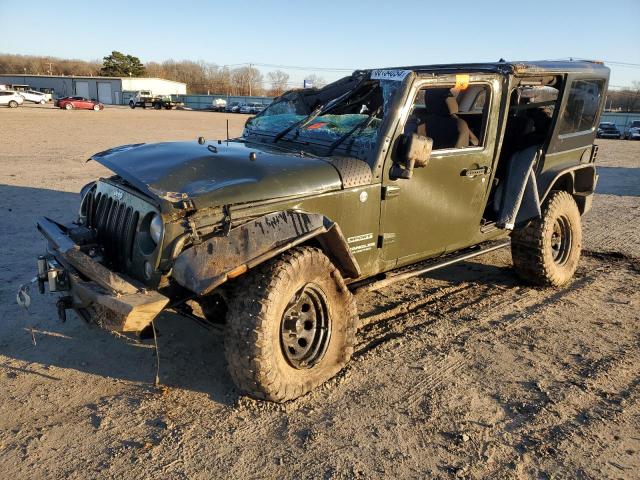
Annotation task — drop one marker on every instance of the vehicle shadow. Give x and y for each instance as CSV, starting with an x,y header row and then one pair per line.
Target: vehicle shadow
x,y
191,357
619,181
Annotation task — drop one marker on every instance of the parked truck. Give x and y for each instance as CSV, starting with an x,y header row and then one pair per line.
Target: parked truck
x,y
144,99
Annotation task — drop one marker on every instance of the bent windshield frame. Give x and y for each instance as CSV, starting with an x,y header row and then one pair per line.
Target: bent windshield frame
x,y
352,109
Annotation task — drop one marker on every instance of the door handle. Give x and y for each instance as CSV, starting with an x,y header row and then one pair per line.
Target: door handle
x,y
474,172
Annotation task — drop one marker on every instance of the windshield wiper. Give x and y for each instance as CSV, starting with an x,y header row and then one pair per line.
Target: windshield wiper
x,y
360,126
320,110
300,123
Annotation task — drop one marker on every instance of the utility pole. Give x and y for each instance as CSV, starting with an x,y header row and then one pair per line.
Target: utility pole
x,y
50,65
250,77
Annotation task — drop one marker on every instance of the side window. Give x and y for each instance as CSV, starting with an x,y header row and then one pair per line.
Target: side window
x,y
451,118
582,106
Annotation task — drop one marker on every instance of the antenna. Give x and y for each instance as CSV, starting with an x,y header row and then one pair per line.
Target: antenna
x,y
227,132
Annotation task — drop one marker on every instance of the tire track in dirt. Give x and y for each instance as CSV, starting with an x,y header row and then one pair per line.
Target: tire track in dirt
x,y
490,313
456,315
461,321
612,381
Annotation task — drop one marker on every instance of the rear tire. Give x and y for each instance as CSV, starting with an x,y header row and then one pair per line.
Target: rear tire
x,y
547,251
132,105
96,108
290,327
42,102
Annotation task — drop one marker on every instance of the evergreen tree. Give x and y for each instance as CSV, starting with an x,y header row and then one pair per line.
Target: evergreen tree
x,y
120,65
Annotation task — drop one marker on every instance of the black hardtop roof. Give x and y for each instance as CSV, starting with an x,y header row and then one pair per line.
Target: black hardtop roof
x,y
521,68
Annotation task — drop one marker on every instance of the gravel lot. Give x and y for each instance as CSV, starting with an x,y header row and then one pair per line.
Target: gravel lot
x,y
463,373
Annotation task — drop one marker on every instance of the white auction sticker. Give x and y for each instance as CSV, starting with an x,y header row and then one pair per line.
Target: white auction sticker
x,y
397,75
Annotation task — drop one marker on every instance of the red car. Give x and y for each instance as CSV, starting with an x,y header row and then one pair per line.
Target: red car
x,y
80,103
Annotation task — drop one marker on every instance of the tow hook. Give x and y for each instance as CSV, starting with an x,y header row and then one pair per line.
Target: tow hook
x,y
63,304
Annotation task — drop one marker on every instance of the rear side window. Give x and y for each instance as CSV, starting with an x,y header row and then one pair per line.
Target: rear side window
x,y
582,106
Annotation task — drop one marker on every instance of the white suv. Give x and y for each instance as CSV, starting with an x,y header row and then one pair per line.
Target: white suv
x,y
34,96
10,98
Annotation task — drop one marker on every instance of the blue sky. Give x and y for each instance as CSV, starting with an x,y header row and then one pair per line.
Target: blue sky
x,y
335,34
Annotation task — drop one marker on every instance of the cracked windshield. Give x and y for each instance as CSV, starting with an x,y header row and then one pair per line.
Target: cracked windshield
x,y
344,116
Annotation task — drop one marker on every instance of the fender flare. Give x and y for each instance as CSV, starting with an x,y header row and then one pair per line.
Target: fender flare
x,y
207,265
580,181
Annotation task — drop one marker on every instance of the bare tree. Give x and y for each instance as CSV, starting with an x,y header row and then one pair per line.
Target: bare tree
x,y
37,65
626,99
279,81
246,81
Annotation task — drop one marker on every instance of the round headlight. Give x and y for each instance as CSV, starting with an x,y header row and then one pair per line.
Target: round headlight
x,y
155,228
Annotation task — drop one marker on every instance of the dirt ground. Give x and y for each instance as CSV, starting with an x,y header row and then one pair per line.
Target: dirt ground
x,y
464,373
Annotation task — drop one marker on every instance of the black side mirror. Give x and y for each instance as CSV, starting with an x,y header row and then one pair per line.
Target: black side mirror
x,y
413,151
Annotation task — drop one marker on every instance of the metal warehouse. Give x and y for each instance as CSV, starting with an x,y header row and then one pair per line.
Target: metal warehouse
x,y
108,90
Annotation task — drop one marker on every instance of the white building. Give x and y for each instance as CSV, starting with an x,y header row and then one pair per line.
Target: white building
x,y
108,90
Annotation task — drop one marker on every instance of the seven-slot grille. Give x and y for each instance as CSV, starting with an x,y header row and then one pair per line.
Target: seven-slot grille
x,y
115,224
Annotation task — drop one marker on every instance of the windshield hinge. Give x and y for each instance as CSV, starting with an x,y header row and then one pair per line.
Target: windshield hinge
x,y
390,191
386,238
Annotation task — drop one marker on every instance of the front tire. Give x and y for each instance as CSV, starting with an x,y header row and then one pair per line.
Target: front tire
x,y
547,251
96,108
13,104
68,106
290,327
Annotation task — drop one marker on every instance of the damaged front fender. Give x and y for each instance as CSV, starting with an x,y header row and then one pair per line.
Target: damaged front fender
x,y
204,266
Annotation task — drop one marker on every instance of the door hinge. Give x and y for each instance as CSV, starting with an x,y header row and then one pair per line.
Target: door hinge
x,y
386,239
390,191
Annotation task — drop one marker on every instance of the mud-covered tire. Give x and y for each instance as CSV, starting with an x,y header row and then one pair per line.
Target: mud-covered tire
x,y
547,251
263,299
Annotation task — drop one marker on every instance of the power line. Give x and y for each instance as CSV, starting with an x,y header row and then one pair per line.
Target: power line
x,y
608,62
296,67
623,64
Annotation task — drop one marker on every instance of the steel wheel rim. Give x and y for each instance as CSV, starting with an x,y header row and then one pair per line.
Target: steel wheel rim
x,y
561,240
305,328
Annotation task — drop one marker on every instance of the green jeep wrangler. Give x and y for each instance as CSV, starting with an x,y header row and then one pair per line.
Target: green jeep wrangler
x,y
377,177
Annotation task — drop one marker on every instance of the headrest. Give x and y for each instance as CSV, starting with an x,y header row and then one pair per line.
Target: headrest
x,y
452,104
436,101
420,112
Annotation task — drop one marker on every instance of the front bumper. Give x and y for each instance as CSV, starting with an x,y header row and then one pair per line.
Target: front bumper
x,y
67,268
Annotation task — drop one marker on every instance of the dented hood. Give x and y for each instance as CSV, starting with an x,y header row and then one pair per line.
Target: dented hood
x,y
213,174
